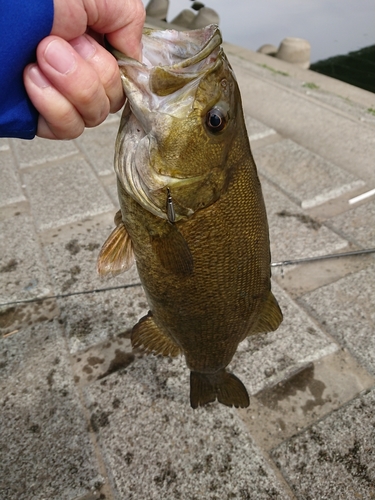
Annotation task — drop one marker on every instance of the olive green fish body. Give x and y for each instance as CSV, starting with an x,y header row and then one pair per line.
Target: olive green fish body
x,y
197,227
208,312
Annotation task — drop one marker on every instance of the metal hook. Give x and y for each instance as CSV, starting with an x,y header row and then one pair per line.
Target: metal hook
x,y
171,214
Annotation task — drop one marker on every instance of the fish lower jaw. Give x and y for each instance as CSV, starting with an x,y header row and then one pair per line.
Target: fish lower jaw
x,y
154,198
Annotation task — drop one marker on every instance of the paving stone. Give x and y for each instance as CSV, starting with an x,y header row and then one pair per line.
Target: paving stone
x,y
293,233
72,254
39,151
336,94
98,144
313,125
335,458
305,176
46,451
358,224
10,185
284,409
308,276
65,193
23,274
346,308
264,360
156,446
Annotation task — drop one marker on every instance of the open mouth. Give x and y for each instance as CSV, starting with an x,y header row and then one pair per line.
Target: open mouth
x,y
182,49
160,88
170,61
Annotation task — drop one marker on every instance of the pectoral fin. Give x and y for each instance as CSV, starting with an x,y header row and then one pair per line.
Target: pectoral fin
x,y
223,386
148,335
173,251
270,318
116,255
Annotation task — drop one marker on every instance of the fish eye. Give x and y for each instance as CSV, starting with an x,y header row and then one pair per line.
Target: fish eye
x,y
216,120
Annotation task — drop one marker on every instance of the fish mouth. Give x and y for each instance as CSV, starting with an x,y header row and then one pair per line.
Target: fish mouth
x,y
182,49
158,89
172,63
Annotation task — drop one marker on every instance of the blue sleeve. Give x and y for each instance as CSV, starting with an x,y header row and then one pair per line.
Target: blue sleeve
x,y
23,24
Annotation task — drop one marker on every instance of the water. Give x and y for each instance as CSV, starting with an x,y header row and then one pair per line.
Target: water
x,y
332,27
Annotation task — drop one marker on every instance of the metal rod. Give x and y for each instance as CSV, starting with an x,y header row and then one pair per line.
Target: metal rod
x,y
322,257
273,264
64,295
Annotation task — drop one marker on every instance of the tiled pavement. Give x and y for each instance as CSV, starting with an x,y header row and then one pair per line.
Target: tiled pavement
x,y
83,417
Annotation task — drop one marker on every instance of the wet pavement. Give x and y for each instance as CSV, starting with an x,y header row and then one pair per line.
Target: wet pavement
x,y
84,417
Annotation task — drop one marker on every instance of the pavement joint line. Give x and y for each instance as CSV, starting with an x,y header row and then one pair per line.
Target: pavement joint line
x,y
262,135
266,455
332,194
45,164
330,224
324,417
105,485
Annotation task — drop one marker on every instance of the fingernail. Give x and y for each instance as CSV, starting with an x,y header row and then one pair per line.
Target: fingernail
x,y
37,77
60,56
83,46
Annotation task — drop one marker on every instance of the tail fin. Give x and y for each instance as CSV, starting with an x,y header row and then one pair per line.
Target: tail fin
x,y
223,386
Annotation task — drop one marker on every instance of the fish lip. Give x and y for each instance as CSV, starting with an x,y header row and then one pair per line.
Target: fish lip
x,y
210,36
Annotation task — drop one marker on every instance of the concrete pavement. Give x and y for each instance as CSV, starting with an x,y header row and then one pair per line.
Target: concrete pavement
x,y
84,417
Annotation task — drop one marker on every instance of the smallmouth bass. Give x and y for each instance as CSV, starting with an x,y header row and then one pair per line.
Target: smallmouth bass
x,y
192,212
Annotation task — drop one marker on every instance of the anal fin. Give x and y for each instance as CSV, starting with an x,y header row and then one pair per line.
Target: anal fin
x,y
116,255
148,335
223,386
270,317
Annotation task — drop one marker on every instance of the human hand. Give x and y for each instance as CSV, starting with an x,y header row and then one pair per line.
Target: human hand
x,y
75,82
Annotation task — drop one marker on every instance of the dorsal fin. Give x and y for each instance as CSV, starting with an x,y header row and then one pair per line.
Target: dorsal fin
x,y
148,335
270,317
116,255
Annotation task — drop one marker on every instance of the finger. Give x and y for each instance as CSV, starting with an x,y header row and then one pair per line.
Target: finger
x,y
122,19
58,118
75,78
127,35
105,66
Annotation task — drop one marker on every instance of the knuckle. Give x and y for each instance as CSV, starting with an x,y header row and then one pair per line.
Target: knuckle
x,y
137,14
98,114
111,75
72,127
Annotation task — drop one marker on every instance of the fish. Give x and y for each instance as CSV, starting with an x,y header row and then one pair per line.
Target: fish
x,y
192,214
